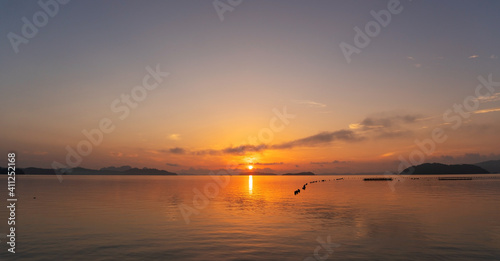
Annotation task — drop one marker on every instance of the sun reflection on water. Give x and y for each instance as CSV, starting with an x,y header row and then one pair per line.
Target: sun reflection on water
x,y
250,184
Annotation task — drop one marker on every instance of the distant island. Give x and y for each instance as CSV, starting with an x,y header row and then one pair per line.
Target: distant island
x,y
438,168
299,174
124,170
493,166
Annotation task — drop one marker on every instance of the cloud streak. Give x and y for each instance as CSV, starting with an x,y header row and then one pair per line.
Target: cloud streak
x,y
244,148
319,139
487,110
386,122
309,103
172,164
381,127
177,150
262,163
329,162
174,136
492,98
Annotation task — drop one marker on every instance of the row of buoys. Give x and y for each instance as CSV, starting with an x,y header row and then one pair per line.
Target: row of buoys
x,y
399,179
311,182
378,179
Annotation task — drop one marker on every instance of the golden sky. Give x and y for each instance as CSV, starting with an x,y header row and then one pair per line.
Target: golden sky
x,y
219,89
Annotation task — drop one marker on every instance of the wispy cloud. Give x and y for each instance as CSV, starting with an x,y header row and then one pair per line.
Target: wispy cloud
x,y
177,150
174,136
309,103
234,150
322,138
268,164
125,155
206,152
243,149
379,127
492,98
319,139
329,162
493,57
473,56
354,126
263,163
487,110
310,141
411,58
386,127
172,164
387,154
371,123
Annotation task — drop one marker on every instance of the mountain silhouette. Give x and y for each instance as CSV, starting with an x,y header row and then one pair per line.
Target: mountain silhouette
x,y
493,166
438,168
124,170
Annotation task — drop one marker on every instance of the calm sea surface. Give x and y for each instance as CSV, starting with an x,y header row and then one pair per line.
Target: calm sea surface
x,y
253,218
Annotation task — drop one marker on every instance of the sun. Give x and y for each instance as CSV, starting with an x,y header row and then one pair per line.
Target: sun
x,y
250,167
